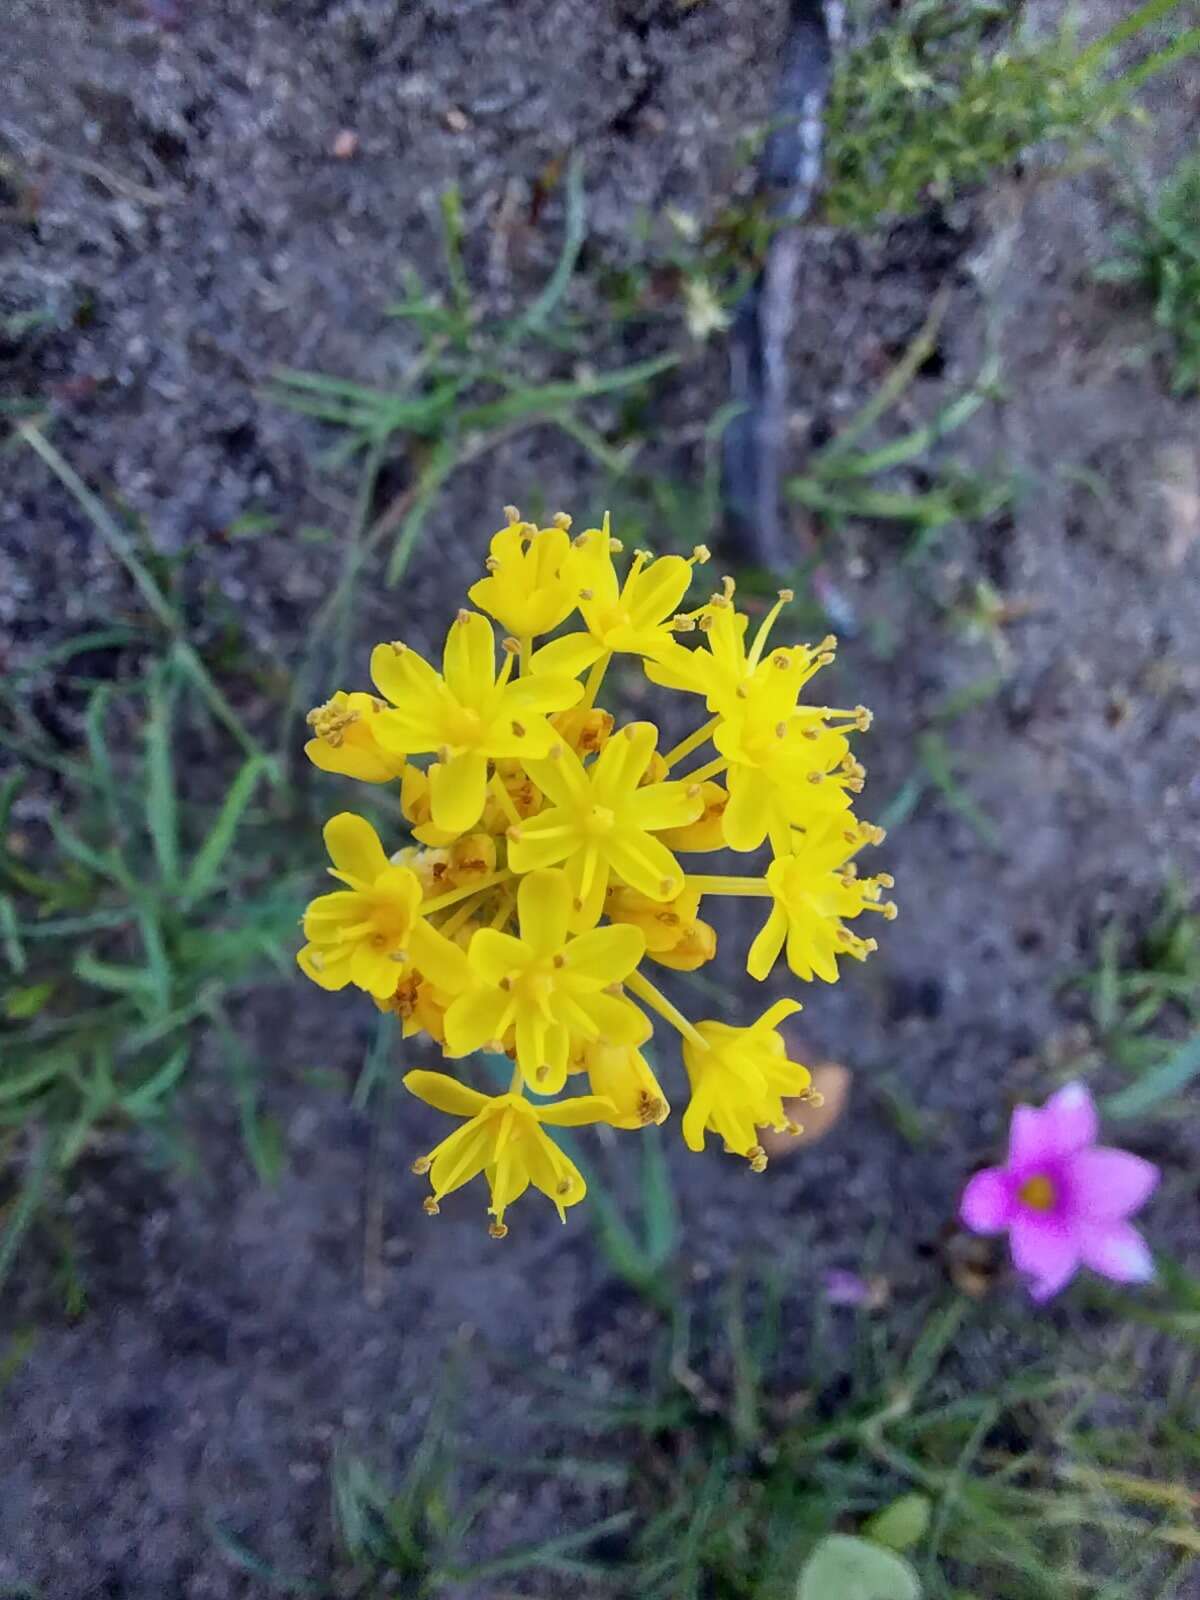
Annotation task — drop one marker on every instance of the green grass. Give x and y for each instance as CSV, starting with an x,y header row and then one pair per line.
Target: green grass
x,y
1147,982
847,479
948,95
468,388
1160,257
1057,1479
136,915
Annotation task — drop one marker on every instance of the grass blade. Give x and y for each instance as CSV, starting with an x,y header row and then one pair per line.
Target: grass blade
x,y
210,858
159,606
556,286
162,812
24,1207
1170,1077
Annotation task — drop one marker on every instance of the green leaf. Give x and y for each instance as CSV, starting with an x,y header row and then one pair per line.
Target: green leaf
x,y
10,934
115,978
1172,1075
161,811
25,1206
20,1004
17,1086
842,1568
144,1100
902,1524
206,868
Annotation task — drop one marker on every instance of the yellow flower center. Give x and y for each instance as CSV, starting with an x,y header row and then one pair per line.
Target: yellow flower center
x,y
464,727
599,821
1037,1193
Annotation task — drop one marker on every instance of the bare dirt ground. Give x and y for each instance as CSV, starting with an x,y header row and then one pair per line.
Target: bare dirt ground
x,y
194,230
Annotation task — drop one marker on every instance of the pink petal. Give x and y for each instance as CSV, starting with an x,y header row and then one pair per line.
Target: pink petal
x,y
1107,1183
1029,1142
1117,1251
1070,1118
987,1204
1044,1251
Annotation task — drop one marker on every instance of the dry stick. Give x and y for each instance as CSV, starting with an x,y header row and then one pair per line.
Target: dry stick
x,y
791,169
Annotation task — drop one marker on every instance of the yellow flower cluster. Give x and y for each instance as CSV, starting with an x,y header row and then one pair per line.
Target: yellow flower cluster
x,y
546,869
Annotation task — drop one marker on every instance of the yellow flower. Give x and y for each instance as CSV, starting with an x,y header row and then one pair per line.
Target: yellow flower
x,y
721,665
781,775
599,822
547,987
527,590
543,881
345,739
739,1079
587,729
360,934
637,615
620,1073
708,830
813,890
465,860
505,1138
675,935
465,713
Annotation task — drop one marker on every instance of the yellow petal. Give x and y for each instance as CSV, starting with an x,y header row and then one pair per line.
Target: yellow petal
x,y
352,761
543,907
695,1118
665,805
444,1093
779,1012
374,970
587,873
605,955
495,956
552,1172
747,814
461,1157
542,841
354,847
615,1018
620,765
328,914
401,675
469,659
562,778
764,952
645,864
539,693
542,1050
331,972
439,959
457,791
566,657
577,1113
477,1018
656,592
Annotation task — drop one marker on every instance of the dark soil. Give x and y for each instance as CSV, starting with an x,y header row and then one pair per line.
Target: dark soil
x,y
173,204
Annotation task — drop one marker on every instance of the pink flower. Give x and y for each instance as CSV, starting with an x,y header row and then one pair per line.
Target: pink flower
x,y
1063,1199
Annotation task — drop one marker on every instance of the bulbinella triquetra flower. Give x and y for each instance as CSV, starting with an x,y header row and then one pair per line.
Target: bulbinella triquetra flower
x,y
553,846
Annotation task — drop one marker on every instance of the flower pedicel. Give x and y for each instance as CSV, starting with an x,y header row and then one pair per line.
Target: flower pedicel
x,y
550,865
